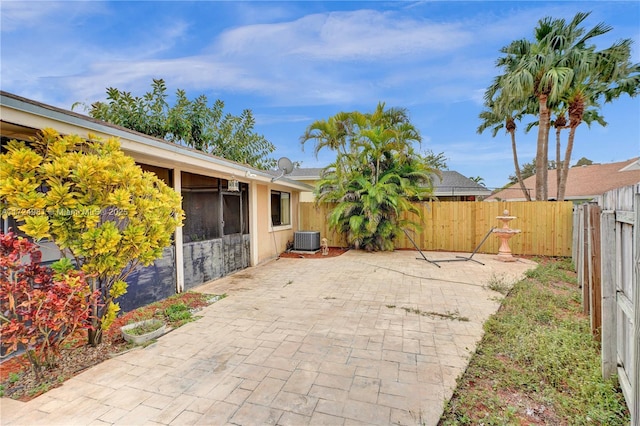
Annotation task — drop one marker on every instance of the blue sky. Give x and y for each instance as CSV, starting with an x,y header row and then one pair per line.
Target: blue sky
x,y
294,62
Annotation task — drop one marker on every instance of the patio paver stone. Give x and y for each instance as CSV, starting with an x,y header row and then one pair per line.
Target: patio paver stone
x,y
362,338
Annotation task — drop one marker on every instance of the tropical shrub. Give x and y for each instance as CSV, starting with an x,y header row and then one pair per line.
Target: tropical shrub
x,y
39,307
100,208
375,176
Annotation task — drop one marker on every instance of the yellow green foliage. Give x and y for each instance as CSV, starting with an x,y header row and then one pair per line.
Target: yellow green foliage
x,y
110,315
93,201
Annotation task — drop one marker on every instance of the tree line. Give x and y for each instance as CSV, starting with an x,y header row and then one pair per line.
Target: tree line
x,y
191,123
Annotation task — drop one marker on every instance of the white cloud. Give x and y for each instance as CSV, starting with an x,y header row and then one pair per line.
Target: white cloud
x,y
362,35
23,15
341,58
266,119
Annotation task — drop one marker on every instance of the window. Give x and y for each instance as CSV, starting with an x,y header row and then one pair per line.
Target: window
x,y
280,208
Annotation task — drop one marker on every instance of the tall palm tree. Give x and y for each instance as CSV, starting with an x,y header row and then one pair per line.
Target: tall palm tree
x,y
560,124
499,115
558,67
532,72
598,74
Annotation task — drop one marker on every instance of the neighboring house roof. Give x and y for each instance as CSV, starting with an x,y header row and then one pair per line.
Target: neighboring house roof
x,y
301,174
583,182
18,114
450,183
455,184
307,173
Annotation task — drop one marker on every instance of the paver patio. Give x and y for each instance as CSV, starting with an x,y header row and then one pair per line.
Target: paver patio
x,y
298,341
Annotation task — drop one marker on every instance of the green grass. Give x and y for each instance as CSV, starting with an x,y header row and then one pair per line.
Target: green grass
x,y
498,284
178,312
537,362
141,329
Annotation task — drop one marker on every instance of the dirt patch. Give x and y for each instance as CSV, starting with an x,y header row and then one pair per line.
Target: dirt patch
x,y
333,252
18,381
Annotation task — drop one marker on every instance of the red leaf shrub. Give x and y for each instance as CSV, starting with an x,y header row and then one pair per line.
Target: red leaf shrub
x,y
39,308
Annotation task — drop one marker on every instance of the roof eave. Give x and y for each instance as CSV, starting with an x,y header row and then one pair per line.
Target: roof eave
x,y
129,138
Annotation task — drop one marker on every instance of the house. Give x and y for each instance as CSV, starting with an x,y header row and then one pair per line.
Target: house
x,y
308,175
449,186
453,186
584,183
235,215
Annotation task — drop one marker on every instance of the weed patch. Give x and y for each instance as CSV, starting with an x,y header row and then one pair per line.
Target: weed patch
x,y
454,316
537,362
498,284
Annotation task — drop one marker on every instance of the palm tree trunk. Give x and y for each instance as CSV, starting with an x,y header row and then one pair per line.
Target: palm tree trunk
x,y
560,124
576,112
542,149
562,186
559,170
527,196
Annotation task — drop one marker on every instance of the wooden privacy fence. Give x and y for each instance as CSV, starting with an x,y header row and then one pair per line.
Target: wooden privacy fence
x,y
607,258
460,226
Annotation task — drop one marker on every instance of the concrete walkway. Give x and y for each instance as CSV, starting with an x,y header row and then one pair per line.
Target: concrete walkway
x,y
359,339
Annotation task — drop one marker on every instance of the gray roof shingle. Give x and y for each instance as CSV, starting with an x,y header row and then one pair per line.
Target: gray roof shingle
x,y
451,183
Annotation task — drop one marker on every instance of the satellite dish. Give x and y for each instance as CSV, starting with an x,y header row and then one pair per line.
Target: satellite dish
x,y
285,165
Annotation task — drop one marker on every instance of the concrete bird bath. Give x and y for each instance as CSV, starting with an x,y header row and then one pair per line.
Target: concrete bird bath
x,y
505,233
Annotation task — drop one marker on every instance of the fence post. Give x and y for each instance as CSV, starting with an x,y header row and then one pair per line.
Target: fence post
x,y
595,271
575,236
580,247
609,306
586,261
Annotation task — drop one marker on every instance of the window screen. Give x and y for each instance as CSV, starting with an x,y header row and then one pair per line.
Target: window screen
x,y
201,205
231,214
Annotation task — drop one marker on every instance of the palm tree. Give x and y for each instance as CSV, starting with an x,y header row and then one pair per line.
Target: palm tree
x,y
379,142
334,133
559,68
478,179
560,123
599,74
532,72
497,116
375,175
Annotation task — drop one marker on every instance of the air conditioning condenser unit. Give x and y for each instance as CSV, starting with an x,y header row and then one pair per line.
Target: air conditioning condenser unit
x,y
306,240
